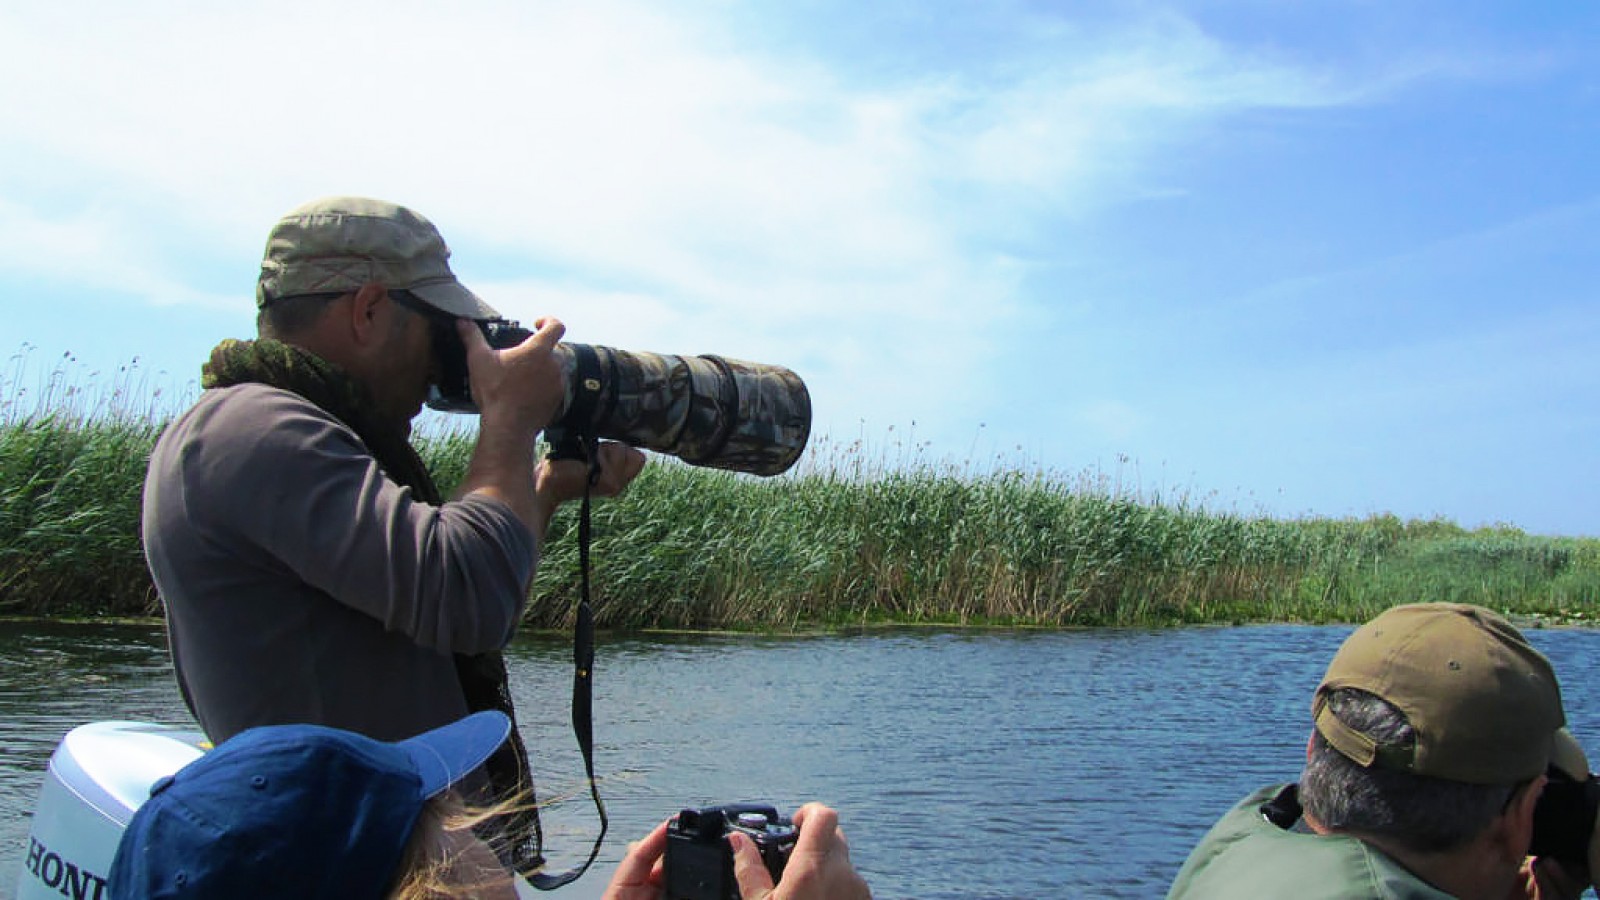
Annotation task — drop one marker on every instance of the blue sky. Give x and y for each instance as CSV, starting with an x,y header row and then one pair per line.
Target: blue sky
x,y
1293,258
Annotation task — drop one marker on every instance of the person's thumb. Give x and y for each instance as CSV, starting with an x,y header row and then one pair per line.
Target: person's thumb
x,y
749,870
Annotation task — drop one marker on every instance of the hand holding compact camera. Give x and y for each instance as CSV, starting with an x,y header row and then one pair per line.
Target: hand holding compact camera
x,y
699,859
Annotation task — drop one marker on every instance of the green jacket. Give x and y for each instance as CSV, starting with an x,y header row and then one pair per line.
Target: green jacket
x,y
1245,855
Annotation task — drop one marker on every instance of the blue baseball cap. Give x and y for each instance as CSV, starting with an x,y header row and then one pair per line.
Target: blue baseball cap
x,y
294,811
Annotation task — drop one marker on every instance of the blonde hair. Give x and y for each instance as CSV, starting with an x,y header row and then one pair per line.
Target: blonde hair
x,y
446,859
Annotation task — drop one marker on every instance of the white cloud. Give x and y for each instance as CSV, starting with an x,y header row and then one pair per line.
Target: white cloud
x,y
704,197
97,248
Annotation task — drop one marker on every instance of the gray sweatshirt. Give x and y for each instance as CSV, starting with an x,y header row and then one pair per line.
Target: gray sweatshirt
x,y
302,585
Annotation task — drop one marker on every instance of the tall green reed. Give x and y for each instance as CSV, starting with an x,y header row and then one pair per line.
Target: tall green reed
x,y
72,463
860,533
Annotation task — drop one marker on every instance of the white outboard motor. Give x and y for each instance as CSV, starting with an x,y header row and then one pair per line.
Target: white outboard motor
x,y
99,774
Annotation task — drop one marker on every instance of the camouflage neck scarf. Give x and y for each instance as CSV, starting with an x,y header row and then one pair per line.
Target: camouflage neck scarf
x,y
302,372
484,680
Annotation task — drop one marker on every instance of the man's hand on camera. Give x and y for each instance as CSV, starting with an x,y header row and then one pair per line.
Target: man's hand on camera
x,y
519,385
818,868
517,390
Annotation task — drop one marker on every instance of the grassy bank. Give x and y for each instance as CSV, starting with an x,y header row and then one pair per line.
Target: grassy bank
x,y
848,540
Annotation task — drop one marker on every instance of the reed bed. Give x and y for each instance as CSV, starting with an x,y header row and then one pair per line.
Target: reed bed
x,y
690,548
855,536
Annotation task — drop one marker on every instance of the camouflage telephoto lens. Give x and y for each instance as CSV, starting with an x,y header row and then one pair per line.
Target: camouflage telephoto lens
x,y
706,410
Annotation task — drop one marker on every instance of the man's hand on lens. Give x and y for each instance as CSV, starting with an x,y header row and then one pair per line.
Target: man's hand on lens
x,y
557,481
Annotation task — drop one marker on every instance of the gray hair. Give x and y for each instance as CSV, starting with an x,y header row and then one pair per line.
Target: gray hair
x,y
1418,812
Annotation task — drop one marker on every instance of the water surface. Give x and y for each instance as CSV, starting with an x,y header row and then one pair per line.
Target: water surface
x,y
993,764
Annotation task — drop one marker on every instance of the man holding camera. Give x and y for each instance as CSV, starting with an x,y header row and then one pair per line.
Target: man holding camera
x,y
310,570
1435,731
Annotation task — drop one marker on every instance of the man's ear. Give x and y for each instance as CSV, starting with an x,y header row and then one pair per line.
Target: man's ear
x,y
1515,825
366,310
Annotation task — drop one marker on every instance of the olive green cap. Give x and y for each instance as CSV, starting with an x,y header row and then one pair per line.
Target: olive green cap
x,y
1484,704
338,244
1567,755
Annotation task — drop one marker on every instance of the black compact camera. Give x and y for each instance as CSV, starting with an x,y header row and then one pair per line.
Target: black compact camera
x,y
699,861
705,410
1563,819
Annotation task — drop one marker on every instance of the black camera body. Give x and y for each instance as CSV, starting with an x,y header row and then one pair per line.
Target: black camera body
x,y
452,389
1564,818
699,860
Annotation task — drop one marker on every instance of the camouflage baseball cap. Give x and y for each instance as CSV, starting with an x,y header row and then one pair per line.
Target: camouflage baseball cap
x,y
1484,705
338,244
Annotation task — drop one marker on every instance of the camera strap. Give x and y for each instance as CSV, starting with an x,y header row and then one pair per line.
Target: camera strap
x,y
583,627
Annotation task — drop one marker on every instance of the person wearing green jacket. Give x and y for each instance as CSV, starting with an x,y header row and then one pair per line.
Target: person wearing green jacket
x,y
1434,733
